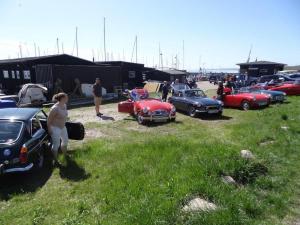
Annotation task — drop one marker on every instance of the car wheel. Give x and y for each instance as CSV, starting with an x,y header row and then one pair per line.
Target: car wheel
x,y
173,119
39,163
140,119
219,114
245,105
192,111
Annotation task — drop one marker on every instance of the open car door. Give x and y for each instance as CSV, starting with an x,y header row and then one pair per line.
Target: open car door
x,y
75,130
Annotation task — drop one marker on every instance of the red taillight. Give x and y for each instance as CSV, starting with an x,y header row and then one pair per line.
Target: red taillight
x,y
23,155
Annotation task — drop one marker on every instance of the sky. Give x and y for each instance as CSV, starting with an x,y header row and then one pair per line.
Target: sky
x,y
214,33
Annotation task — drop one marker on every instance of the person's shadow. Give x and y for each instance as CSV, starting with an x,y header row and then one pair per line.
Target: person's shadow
x,y
107,118
72,171
22,183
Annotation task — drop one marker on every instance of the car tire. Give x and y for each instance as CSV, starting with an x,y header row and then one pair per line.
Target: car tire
x,y
219,114
140,119
39,163
245,105
192,111
173,120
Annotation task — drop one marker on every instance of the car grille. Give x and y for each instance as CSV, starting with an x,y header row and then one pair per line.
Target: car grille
x,y
212,107
278,97
160,113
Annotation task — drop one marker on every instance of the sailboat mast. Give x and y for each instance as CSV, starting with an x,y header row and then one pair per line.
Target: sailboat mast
x,y
104,39
136,49
183,55
76,41
57,45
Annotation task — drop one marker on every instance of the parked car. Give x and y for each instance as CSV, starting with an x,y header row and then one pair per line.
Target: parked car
x,y
195,102
295,76
276,96
275,78
7,104
24,139
147,109
291,88
244,101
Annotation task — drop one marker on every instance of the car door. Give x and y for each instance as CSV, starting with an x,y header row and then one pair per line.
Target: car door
x,y
174,100
180,101
126,106
230,100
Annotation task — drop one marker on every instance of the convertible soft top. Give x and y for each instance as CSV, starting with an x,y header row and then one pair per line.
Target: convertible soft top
x,y
18,113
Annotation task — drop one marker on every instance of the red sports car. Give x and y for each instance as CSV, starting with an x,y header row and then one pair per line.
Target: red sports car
x,y
244,100
147,109
288,88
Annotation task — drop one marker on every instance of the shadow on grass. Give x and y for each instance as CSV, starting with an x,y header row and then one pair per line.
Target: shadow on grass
x,y
212,117
22,183
72,171
107,118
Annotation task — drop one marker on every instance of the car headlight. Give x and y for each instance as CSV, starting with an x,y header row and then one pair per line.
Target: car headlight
x,y
173,109
145,110
284,94
220,103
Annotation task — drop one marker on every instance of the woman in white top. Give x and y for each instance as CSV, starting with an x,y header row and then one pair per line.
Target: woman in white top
x,y
56,124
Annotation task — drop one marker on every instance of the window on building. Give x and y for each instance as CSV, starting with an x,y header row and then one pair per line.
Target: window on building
x,y
131,74
26,74
18,74
5,74
13,76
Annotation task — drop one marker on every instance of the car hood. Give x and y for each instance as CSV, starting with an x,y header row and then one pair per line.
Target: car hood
x,y
273,93
154,104
203,101
252,95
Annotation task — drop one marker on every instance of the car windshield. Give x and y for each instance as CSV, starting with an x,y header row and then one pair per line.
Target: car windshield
x,y
195,93
9,131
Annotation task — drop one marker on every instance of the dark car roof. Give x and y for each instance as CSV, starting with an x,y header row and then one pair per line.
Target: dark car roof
x,y
18,113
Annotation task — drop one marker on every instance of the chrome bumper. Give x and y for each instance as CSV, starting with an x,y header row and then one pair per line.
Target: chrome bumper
x,y
16,169
158,118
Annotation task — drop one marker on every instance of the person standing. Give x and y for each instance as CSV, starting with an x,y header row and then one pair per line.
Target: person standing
x,y
165,91
56,124
220,91
97,91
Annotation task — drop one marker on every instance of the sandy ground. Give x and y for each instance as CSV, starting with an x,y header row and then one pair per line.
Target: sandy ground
x,y
205,85
87,115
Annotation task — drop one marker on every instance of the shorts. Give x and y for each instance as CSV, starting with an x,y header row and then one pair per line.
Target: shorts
x,y
97,100
59,134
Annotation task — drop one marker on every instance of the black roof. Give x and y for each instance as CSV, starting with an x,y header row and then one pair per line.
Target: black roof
x,y
119,63
63,59
23,114
260,63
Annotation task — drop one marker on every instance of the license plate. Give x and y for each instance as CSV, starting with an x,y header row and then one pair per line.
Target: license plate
x,y
262,103
213,111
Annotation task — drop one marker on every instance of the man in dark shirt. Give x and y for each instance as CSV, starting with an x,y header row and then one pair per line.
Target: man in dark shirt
x,y
97,91
220,91
165,91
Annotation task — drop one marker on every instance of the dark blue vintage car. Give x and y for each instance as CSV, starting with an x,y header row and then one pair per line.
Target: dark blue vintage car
x,y
24,140
7,104
195,102
275,96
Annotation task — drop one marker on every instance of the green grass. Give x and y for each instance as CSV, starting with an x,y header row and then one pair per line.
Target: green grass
x,y
144,175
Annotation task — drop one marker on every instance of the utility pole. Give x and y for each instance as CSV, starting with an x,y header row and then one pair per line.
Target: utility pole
x,y
104,39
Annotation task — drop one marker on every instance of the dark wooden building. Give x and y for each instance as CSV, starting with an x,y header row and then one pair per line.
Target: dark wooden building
x,y
165,75
260,68
131,73
47,70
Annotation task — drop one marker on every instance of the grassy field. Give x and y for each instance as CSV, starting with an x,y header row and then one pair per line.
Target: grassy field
x,y
144,175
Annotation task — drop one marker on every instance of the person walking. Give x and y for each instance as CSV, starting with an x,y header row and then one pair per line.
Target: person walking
x,y
97,91
165,91
220,91
57,124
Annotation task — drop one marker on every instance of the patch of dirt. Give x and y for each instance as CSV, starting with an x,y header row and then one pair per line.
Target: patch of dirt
x,y
88,115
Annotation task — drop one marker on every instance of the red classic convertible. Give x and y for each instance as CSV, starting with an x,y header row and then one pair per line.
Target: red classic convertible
x,y
244,100
288,88
147,109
